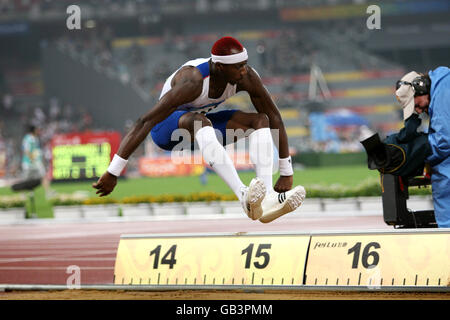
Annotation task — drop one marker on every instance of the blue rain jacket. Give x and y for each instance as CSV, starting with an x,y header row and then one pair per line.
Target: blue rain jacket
x,y
439,139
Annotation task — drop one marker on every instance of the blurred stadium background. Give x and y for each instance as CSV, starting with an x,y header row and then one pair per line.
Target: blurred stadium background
x,y
328,73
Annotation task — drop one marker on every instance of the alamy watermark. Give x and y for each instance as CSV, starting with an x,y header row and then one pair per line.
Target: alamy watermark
x,y
374,20
73,21
74,280
373,277
235,140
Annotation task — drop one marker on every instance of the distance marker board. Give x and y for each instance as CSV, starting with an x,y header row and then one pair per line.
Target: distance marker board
x,y
402,259
212,260
371,259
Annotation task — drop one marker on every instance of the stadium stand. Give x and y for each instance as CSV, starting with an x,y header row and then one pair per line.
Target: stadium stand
x,y
130,48
357,81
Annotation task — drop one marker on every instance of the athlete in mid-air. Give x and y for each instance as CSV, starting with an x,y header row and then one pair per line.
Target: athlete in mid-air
x,y
186,100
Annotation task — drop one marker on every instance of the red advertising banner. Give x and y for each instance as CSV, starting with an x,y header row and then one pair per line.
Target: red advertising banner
x,y
82,155
165,167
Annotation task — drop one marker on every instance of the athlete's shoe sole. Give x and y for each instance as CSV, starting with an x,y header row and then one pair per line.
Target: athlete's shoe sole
x,y
255,196
292,202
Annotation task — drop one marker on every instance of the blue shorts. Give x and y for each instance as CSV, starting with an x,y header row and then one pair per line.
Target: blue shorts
x,y
162,132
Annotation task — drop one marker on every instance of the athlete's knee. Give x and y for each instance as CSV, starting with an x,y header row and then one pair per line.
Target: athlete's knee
x,y
261,121
194,121
199,121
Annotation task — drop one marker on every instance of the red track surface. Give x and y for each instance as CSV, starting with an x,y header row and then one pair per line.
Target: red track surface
x,y
38,253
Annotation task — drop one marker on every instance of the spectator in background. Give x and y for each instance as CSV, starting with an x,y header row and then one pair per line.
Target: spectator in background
x,y
39,117
261,50
55,110
86,120
7,101
32,158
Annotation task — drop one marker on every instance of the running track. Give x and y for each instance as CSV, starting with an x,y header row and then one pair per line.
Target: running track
x,y
40,252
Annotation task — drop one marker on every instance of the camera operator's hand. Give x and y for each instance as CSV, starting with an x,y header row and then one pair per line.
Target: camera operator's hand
x,y
420,110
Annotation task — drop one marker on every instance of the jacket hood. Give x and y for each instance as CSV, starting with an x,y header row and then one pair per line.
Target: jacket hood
x,y
437,75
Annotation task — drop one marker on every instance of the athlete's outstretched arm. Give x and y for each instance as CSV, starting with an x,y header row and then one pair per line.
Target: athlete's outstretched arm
x,y
186,86
263,103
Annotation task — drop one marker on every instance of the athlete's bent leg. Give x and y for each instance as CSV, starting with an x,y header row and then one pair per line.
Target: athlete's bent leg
x,y
216,156
260,143
274,204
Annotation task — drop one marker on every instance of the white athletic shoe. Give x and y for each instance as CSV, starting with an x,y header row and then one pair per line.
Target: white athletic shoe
x,y
252,197
277,204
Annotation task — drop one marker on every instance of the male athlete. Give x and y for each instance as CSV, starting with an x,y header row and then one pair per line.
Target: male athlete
x,y
186,100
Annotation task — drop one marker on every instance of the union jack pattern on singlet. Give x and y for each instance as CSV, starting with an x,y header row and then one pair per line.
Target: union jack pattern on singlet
x,y
203,103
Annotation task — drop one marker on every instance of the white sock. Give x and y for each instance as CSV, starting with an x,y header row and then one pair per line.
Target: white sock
x,y
216,156
261,155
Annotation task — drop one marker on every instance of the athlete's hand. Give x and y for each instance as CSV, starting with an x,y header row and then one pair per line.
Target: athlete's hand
x,y
284,184
105,184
